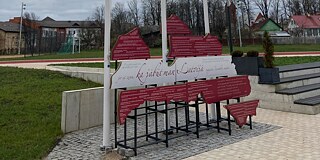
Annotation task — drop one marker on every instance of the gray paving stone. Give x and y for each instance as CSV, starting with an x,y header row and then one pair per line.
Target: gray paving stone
x,y
86,144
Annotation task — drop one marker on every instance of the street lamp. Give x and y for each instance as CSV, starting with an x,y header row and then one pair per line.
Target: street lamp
x,y
23,7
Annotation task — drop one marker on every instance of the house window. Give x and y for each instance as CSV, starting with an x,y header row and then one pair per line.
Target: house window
x,y
315,32
309,32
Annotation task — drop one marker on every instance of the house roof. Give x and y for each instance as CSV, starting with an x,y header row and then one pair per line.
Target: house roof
x,y
258,26
9,27
307,21
51,23
259,17
48,19
150,29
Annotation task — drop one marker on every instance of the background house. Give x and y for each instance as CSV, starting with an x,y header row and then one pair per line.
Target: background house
x,y
61,34
305,25
9,38
49,35
262,24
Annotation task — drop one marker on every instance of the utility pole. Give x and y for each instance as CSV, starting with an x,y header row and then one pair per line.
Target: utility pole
x,y
23,7
238,19
73,42
229,25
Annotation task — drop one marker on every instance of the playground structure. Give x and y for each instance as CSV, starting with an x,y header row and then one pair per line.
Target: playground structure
x,y
72,45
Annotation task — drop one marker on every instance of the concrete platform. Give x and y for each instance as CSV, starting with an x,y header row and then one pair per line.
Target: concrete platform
x,y
298,139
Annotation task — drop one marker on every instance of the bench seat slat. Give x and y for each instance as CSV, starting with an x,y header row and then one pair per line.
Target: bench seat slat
x,y
241,111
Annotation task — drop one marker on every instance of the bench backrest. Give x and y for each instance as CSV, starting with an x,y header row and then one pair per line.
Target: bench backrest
x,y
211,90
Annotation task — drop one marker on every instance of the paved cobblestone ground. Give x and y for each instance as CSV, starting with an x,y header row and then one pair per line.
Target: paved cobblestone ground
x,y
298,139
85,144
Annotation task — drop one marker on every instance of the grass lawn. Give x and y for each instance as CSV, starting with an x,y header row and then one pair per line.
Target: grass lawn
x,y
157,52
90,65
30,110
279,61
83,54
282,61
277,48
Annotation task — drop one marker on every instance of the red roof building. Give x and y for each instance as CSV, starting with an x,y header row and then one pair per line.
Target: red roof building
x,y
262,24
305,25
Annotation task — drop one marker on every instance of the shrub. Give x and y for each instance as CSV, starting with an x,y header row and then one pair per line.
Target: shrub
x,y
268,50
237,53
252,53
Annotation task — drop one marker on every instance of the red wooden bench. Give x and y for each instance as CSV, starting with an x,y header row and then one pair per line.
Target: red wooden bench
x,y
240,112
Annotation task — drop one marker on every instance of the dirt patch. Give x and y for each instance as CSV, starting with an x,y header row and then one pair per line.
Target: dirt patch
x,y
113,156
11,56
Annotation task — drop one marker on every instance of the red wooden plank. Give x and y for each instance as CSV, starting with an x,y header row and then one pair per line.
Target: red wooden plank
x,y
220,89
212,90
129,100
190,46
241,111
130,46
175,26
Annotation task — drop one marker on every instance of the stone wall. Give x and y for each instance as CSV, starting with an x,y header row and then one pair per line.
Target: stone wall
x,y
88,74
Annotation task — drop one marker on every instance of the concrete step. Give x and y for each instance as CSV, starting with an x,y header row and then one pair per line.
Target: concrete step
x,y
312,101
299,72
301,89
285,106
290,107
298,78
283,97
288,91
299,69
297,81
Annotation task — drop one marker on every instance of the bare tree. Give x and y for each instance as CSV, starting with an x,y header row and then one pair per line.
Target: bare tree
x,y
295,7
172,7
120,21
285,8
134,11
153,10
217,17
275,13
98,18
247,9
264,6
145,17
310,6
89,36
31,32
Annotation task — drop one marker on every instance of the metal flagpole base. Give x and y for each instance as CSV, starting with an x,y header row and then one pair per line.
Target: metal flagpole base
x,y
106,148
169,133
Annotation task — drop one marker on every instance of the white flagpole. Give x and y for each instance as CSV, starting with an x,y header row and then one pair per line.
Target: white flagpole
x,y
206,16
212,107
164,30
106,98
164,42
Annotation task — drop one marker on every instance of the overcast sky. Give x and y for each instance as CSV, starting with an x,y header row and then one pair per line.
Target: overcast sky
x,y
56,9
